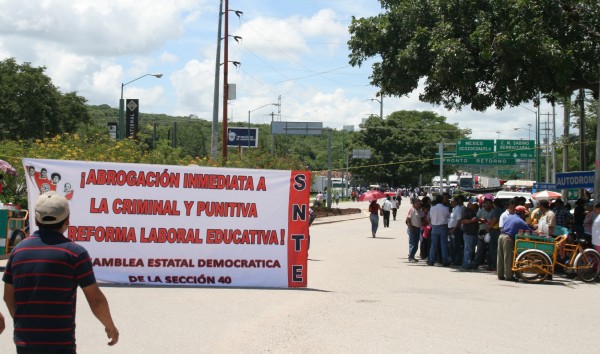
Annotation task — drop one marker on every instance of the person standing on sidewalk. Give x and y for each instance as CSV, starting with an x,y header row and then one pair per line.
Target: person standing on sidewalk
x,y
41,279
374,211
438,217
387,209
414,222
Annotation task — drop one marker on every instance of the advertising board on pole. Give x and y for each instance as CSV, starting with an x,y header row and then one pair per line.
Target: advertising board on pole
x,y
577,179
238,137
132,115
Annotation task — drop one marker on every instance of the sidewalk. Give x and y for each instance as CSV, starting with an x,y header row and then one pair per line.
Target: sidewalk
x,y
339,218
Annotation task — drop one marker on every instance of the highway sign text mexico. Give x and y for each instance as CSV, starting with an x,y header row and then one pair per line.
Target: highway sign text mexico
x,y
474,146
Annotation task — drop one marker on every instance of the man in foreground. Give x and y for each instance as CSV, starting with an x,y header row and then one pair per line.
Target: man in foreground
x,y
41,279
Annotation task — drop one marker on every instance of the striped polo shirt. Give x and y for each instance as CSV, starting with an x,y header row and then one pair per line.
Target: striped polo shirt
x,y
45,270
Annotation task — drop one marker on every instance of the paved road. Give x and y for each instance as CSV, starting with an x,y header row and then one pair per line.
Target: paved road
x,y
363,297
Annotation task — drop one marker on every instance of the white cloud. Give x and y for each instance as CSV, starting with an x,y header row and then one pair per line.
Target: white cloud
x,y
86,27
193,86
166,57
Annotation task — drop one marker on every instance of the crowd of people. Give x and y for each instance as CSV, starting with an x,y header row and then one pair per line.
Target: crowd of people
x,y
482,232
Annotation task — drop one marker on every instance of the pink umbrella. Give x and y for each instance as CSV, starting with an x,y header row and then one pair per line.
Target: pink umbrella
x,y
545,195
371,195
7,168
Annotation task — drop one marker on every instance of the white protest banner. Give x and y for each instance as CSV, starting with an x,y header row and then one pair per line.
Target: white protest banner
x,y
183,225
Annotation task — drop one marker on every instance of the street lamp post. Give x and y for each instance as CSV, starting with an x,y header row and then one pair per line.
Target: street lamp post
x,y
252,110
121,134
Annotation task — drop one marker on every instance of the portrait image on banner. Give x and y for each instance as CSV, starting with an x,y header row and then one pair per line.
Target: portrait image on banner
x,y
183,225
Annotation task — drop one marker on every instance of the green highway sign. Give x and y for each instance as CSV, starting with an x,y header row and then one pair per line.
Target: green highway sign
x,y
475,161
464,147
517,149
505,172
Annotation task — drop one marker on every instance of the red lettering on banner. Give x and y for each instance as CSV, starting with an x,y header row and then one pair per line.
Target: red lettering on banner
x,y
227,209
190,279
101,234
164,179
136,279
262,185
145,207
227,182
118,262
242,237
239,263
297,244
171,235
171,263
102,208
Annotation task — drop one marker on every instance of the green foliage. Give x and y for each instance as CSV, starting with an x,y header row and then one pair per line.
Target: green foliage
x,y
480,53
32,107
402,147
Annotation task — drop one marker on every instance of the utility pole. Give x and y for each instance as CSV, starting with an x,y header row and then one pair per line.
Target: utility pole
x,y
272,135
565,147
582,159
225,78
214,133
597,160
553,143
546,130
329,185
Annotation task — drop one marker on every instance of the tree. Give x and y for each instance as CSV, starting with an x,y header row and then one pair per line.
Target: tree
x,y
481,53
31,106
402,146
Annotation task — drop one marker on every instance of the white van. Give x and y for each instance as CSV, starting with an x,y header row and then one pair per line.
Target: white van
x,y
505,196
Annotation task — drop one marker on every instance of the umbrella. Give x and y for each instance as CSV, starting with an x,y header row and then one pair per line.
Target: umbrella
x,y
392,194
7,168
545,195
488,196
371,195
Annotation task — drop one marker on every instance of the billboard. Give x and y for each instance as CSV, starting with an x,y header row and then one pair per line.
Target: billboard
x,y
238,137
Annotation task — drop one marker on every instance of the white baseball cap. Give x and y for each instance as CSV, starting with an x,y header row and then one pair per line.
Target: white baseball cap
x,y
51,208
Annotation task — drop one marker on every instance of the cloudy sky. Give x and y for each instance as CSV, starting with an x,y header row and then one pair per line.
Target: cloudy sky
x,y
295,49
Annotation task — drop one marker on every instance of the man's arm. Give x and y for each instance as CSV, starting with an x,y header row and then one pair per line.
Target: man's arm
x,y
2,323
99,306
9,298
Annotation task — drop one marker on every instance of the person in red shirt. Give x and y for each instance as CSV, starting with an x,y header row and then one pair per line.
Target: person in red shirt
x,y
374,210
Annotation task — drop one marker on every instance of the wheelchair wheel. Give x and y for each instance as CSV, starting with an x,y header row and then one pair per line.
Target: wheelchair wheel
x,y
589,262
529,264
